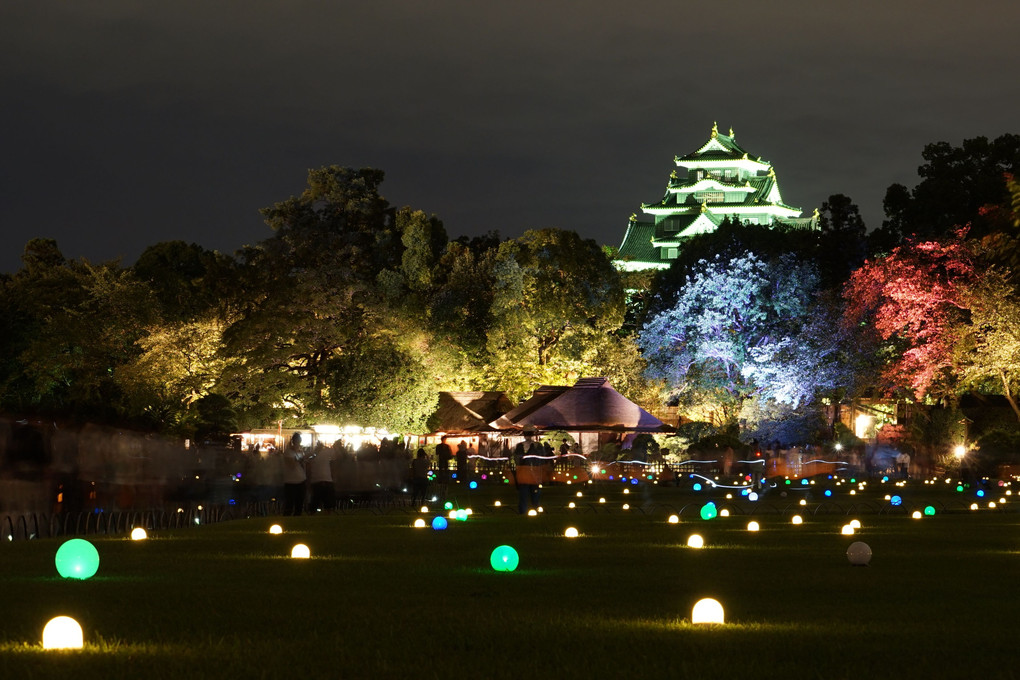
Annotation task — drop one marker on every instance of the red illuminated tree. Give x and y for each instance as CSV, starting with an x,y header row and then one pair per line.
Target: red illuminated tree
x,y
914,304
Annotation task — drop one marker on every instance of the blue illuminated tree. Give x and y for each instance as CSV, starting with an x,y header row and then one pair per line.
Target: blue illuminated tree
x,y
744,328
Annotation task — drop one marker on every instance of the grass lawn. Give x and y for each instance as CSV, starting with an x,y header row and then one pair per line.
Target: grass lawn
x,y
379,599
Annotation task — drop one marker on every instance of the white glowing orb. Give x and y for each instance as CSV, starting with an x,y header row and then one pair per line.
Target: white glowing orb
x,y
626,491
541,509
626,506
276,529
424,509
571,532
674,519
859,554
419,523
973,506
847,530
62,632
752,496
300,551
579,494
803,501
753,526
138,534
497,504
855,523
571,505
796,519
695,541
916,514
602,500
533,513
707,610
724,513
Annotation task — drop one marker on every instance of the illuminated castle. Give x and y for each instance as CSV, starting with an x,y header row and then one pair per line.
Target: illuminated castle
x,y
717,181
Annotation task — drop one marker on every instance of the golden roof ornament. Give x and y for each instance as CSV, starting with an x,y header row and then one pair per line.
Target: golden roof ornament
x,y
732,136
704,205
633,217
672,175
715,130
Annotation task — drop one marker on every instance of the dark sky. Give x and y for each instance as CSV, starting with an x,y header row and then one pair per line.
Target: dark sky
x,y
126,123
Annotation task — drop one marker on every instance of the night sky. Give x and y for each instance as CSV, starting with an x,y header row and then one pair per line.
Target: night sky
x,y
127,123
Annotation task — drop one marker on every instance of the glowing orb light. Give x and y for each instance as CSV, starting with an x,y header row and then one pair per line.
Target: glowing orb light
x,y
916,514
63,632
855,523
424,509
77,558
602,500
473,484
752,496
828,493
626,506
571,532
929,511
533,513
504,558
571,505
847,530
276,529
448,506
300,552
973,506
707,610
724,513
497,504
461,515
419,523
674,519
139,534
796,519
753,526
439,523
708,511
896,500
697,487
803,501
695,541
859,554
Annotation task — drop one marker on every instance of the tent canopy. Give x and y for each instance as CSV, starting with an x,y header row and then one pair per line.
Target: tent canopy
x,y
590,405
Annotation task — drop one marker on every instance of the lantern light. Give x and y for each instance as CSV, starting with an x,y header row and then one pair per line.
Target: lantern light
x,y
300,551
707,610
504,558
77,558
62,632
138,534
859,554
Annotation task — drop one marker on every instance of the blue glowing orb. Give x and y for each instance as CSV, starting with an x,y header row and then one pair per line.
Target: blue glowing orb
x,y
634,480
697,487
980,493
439,523
77,558
473,484
896,500
504,558
828,492
744,492
885,478
804,482
709,511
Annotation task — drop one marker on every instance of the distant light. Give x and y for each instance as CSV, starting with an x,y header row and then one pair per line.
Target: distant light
x,y
571,505
533,513
752,496
896,500
571,532
626,506
498,504
473,484
695,541
602,500
504,558
708,511
674,519
424,509
62,632
980,493
916,514
139,534
847,530
803,501
828,493
448,506
439,523
859,554
707,610
929,510
973,506
796,519
697,486
276,529
300,551
855,523
419,523
724,513
77,558
753,526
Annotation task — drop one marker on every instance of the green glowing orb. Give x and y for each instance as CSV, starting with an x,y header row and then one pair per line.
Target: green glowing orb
x,y
77,558
504,558
929,511
708,511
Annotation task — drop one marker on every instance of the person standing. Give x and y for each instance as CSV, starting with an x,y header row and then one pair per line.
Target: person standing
x,y
462,462
294,477
528,459
419,478
320,475
443,455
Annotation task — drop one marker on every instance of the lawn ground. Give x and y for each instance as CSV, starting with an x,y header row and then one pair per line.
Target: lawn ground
x,y
380,599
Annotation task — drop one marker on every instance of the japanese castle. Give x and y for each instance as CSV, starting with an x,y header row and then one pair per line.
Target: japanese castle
x,y
717,181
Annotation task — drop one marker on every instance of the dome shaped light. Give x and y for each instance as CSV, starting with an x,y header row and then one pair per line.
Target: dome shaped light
x,y
626,506
419,523
796,519
674,519
847,530
571,532
709,511
300,551
571,505
504,558
929,511
139,534
425,509
707,610
63,632
753,526
498,504
855,523
439,523
916,514
695,541
533,513
276,529
859,554
724,512
77,558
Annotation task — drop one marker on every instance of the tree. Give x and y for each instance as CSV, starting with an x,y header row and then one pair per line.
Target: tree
x,y
741,328
913,302
842,240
